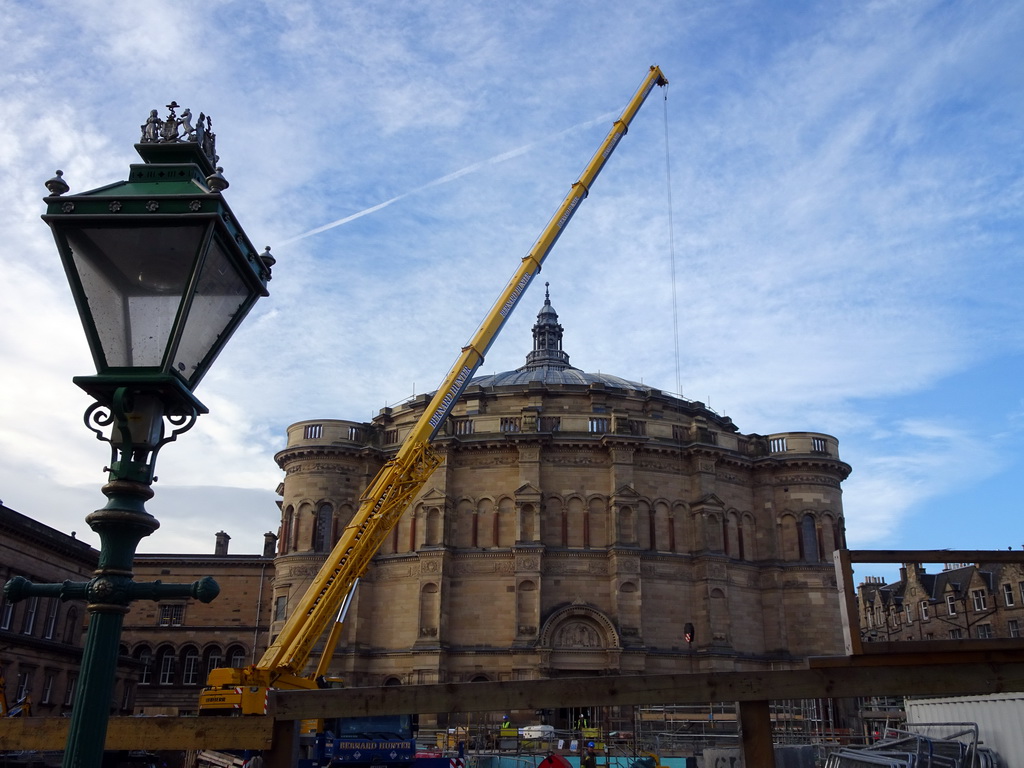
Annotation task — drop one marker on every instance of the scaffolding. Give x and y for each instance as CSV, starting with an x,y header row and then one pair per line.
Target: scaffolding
x,y
927,745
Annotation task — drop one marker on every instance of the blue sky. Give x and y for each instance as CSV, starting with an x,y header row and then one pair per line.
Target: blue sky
x,y
846,197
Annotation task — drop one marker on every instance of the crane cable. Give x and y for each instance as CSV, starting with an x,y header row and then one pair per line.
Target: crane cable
x,y
675,301
672,252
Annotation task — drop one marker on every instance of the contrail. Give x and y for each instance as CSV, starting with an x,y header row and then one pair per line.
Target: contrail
x,y
445,179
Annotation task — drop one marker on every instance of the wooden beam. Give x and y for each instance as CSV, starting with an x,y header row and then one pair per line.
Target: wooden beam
x,y
50,733
936,556
909,652
942,672
970,674
848,612
843,560
756,734
285,753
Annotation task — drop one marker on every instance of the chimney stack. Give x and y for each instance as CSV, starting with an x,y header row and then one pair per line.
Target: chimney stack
x,y
222,543
269,544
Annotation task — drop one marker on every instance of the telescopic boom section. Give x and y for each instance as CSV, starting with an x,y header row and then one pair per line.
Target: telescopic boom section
x,y
401,479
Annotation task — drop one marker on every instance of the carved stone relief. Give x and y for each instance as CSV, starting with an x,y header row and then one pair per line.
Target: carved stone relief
x,y
807,479
489,460
484,566
576,634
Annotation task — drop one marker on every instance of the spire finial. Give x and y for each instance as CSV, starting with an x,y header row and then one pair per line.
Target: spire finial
x,y
547,338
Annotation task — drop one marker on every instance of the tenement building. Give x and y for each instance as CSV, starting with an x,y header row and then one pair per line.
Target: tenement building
x,y
41,638
175,643
980,601
167,647
577,524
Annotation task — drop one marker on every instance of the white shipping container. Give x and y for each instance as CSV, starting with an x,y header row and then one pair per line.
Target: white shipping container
x,y
1000,719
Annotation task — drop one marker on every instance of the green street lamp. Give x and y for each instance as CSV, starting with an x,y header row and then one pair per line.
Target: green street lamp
x,y
162,275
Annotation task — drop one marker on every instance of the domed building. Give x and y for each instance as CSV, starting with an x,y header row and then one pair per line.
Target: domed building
x,y
577,525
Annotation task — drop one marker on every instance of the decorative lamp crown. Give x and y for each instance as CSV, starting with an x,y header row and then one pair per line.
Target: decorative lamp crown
x,y
161,270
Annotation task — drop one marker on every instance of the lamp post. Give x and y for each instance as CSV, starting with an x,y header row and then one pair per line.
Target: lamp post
x,y
162,275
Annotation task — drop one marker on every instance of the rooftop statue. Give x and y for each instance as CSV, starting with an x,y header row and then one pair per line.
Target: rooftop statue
x,y
180,129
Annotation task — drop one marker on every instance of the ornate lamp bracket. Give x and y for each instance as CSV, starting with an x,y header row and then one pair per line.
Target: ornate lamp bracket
x,y
133,426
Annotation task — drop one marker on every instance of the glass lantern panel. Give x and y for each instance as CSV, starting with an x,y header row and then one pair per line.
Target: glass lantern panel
x,y
220,303
134,278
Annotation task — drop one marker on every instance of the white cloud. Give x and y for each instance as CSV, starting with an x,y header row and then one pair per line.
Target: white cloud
x,y
909,464
846,187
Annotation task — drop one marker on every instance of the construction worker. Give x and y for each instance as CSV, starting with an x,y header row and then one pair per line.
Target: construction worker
x,y
589,760
581,721
506,722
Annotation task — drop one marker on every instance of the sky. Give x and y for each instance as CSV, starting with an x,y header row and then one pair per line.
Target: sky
x,y
817,227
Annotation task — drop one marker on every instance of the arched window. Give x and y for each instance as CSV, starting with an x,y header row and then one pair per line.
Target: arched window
x,y
627,526
746,537
484,534
682,529
285,540
214,658
789,532
597,522
809,539
552,531
527,523
236,657
190,666
166,666
433,536
828,536
322,529
293,538
731,535
145,657
505,523
642,525
50,627
574,520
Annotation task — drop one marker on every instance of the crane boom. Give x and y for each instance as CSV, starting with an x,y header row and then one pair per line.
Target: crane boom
x,y
401,478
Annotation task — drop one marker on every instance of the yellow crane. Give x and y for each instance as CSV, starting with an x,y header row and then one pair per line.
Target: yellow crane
x,y
244,691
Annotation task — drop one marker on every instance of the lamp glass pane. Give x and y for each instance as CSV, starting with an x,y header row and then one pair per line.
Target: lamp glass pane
x,y
221,294
134,278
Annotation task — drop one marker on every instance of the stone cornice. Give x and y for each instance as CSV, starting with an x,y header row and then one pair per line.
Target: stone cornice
x,y
10,640
151,561
780,464
339,451
15,526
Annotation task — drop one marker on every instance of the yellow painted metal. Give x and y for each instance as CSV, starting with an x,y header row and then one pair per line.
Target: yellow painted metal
x,y
244,690
22,707
398,482
328,652
389,494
